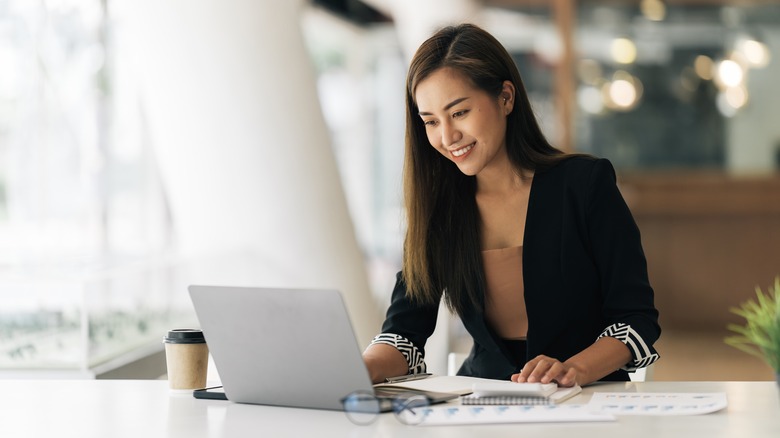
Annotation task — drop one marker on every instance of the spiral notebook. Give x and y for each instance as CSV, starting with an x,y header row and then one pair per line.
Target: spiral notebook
x,y
511,393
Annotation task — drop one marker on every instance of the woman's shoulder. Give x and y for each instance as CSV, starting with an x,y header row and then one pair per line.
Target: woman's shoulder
x,y
576,177
577,166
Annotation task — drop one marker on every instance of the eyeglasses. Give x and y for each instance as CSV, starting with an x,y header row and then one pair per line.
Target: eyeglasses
x,y
362,408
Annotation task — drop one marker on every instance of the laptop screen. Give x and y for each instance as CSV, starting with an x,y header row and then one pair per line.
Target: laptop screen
x,y
279,346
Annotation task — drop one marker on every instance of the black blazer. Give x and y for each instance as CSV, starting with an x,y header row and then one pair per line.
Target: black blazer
x,y
584,273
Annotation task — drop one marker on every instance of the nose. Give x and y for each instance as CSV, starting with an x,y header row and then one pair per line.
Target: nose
x,y
449,134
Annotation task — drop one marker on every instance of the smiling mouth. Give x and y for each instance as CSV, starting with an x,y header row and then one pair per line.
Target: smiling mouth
x,y
460,152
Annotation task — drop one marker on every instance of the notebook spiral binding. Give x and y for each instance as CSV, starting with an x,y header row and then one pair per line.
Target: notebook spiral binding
x,y
496,400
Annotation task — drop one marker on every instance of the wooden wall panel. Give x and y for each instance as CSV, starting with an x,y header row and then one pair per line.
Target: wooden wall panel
x,y
709,240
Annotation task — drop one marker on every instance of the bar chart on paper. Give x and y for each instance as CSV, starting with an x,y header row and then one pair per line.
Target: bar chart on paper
x,y
457,415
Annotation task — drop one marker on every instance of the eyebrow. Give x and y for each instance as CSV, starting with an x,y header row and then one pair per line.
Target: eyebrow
x,y
446,107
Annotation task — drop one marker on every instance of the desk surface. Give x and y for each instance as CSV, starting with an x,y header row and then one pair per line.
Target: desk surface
x,y
147,409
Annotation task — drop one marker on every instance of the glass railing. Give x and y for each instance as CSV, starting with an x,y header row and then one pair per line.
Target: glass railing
x,y
67,320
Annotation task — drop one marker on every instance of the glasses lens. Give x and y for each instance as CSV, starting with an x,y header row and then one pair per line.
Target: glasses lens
x,y
361,408
411,409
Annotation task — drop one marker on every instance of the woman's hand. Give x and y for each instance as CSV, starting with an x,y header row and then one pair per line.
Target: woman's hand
x,y
544,369
604,356
383,361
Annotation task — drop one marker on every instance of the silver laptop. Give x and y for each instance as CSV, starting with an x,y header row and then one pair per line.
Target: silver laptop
x,y
284,347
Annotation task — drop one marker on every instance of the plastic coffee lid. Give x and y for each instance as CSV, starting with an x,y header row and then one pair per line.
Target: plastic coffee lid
x,y
184,336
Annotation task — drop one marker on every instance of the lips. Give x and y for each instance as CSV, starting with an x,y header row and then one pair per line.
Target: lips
x,y
462,151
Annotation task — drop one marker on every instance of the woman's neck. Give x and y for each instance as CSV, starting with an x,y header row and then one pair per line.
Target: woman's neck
x,y
502,177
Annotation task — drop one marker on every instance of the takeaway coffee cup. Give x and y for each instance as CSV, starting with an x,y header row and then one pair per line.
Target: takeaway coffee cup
x,y
187,358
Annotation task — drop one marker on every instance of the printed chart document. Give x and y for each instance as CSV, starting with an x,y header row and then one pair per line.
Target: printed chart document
x,y
652,403
457,415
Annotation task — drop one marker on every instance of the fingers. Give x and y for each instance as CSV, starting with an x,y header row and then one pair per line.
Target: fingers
x,y
543,369
535,370
568,379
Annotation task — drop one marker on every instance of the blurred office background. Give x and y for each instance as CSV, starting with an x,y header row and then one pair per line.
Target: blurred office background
x,y
148,145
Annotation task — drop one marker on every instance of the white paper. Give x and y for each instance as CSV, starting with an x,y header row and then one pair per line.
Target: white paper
x,y
451,384
454,415
652,403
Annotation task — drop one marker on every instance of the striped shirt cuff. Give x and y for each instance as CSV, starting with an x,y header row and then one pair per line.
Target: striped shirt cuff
x,y
643,354
414,357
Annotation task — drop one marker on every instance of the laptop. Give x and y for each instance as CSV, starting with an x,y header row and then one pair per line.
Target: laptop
x,y
285,347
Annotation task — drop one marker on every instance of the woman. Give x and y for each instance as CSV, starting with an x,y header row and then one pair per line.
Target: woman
x,y
535,250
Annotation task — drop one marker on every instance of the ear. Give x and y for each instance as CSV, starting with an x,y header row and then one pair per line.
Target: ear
x,y
507,97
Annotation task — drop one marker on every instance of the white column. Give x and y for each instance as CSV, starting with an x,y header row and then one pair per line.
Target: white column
x,y
244,153
416,20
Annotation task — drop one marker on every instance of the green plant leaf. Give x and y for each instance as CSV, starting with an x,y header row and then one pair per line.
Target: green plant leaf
x,y
760,335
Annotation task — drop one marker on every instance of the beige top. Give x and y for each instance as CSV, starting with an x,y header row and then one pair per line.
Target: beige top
x,y
504,298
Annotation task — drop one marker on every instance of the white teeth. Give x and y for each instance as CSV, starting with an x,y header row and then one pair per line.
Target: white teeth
x,y
460,152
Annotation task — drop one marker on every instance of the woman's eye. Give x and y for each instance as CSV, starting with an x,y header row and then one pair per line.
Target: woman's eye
x,y
429,122
459,113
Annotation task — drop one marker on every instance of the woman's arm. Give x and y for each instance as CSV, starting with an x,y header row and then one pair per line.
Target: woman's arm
x,y
628,306
383,361
627,298
606,355
398,349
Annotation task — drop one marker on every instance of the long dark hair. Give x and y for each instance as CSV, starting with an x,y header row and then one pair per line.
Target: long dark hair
x,y
442,244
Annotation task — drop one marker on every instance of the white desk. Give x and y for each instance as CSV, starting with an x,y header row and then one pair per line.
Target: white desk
x,y
147,409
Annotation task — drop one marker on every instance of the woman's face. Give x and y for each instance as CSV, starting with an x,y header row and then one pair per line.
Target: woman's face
x,y
464,123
